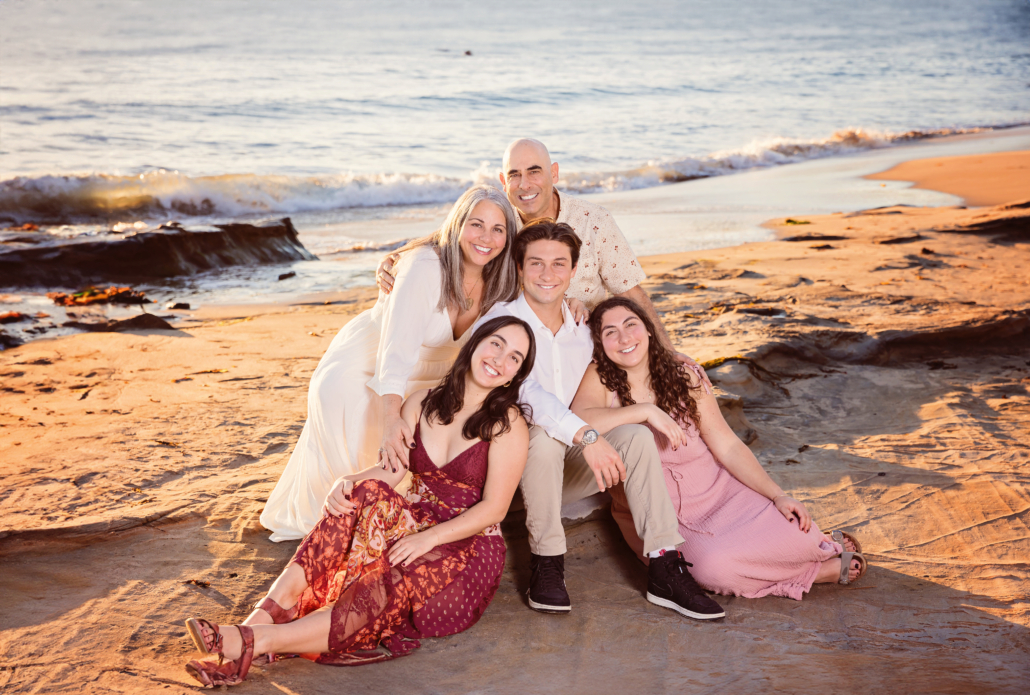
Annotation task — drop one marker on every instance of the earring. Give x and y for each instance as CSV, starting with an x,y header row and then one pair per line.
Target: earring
x,y
508,384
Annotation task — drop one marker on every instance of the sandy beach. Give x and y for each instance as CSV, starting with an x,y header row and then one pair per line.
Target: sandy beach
x,y
882,358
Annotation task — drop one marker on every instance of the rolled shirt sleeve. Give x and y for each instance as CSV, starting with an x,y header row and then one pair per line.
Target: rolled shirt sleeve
x,y
406,318
550,413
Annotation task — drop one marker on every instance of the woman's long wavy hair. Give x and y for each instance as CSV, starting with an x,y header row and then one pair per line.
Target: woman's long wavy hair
x,y
667,377
491,420
500,281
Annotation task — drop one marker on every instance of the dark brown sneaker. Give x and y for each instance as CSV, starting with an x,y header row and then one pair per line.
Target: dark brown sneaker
x,y
670,585
547,592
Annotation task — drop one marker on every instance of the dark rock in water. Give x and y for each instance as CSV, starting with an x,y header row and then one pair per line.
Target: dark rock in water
x,y
13,317
166,252
175,306
8,341
143,322
287,276
38,239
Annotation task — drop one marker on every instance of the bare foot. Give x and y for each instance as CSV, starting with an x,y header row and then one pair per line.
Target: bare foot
x,y
258,617
830,571
232,642
847,544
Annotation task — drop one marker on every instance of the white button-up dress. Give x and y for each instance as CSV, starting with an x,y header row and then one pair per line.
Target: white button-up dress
x,y
402,344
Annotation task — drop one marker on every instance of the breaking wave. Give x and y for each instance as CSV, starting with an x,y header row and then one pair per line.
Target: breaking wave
x,y
759,154
158,194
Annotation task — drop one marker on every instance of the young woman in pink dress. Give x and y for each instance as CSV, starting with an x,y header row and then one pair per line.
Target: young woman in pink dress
x,y
743,535
379,570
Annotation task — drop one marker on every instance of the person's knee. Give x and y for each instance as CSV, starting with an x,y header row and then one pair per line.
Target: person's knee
x,y
370,489
634,443
544,452
629,434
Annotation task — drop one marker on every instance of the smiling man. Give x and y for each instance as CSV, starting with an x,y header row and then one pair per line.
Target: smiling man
x,y
568,460
607,264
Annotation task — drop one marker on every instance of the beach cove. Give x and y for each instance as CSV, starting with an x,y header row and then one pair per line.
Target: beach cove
x,y
881,357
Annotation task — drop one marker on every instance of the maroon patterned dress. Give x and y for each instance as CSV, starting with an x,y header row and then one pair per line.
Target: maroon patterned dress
x,y
380,612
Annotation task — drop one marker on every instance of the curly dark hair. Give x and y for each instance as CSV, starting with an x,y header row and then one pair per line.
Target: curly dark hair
x,y
491,420
668,377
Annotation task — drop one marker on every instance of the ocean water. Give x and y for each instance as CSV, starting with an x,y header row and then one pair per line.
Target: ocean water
x,y
129,112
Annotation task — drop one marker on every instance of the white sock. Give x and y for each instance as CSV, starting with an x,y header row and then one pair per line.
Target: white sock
x,y
662,551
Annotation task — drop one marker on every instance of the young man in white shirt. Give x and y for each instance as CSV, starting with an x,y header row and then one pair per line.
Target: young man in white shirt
x,y
567,459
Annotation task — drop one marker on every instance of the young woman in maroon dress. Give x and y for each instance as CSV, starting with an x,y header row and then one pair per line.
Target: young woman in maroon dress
x,y
380,570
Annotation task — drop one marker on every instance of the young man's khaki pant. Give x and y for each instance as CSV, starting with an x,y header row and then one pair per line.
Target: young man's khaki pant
x,y
557,474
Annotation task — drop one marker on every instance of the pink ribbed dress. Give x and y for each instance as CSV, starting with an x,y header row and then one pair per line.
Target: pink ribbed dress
x,y
738,542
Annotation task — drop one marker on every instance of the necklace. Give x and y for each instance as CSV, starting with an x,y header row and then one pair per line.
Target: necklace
x,y
468,293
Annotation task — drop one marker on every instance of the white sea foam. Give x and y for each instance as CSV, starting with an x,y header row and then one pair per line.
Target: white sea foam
x,y
159,194
758,154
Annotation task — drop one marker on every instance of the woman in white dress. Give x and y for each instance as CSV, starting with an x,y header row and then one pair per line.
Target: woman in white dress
x,y
405,343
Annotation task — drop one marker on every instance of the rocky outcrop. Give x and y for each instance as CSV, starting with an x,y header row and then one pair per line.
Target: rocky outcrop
x,y
166,252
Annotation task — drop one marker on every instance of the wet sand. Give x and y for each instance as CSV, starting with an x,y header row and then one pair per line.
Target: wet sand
x,y
979,179
884,363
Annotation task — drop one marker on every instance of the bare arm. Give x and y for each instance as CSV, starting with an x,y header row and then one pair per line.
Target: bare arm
x,y
734,455
398,439
592,403
337,502
507,459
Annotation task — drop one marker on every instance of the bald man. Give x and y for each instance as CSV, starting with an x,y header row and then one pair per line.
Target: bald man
x,y
607,264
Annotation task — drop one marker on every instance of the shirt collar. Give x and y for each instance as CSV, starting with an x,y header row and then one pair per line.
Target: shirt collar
x,y
525,312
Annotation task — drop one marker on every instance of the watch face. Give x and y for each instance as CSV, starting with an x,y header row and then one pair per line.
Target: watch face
x,y
590,436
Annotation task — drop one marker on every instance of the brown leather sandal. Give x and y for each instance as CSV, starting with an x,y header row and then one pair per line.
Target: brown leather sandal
x,y
845,567
839,537
211,644
211,674
278,614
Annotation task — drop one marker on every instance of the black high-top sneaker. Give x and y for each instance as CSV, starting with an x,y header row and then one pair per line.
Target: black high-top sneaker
x,y
670,585
547,592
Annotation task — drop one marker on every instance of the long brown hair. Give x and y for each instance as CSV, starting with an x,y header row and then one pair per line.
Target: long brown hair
x,y
500,282
491,420
667,377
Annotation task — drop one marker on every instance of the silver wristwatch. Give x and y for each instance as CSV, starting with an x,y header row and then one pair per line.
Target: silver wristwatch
x,y
589,437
